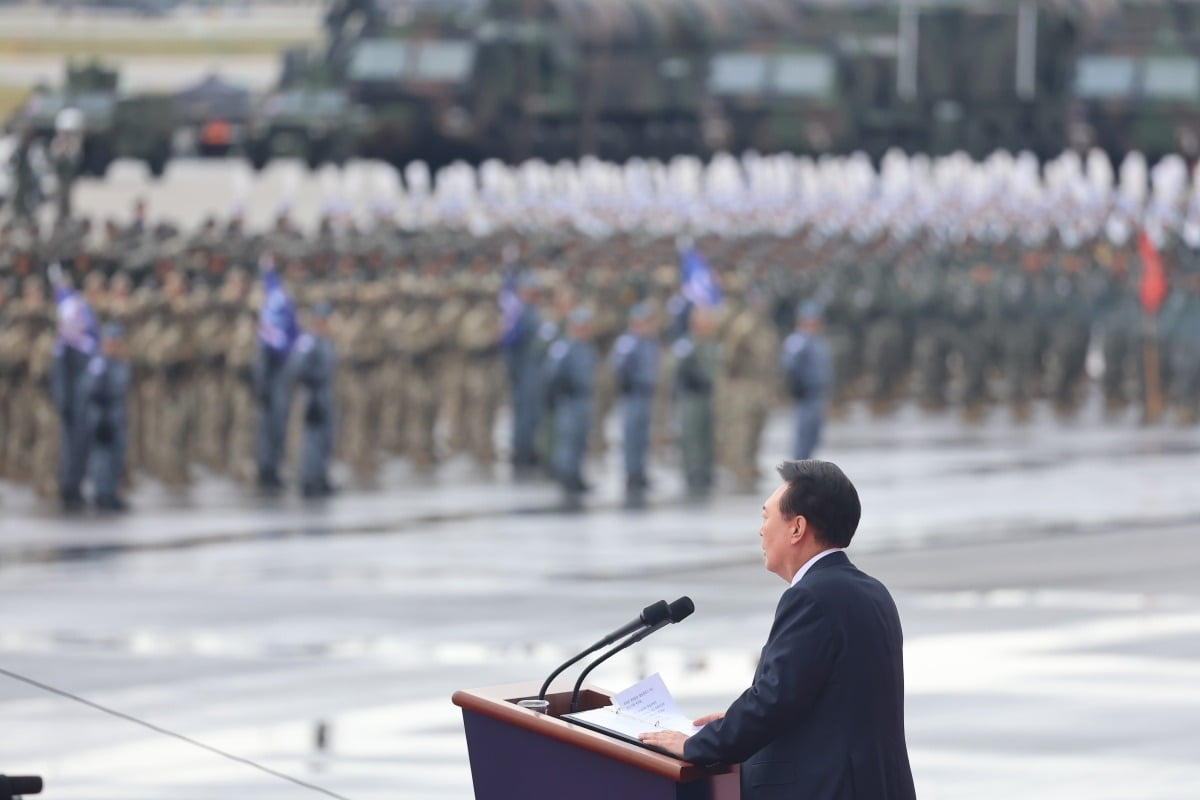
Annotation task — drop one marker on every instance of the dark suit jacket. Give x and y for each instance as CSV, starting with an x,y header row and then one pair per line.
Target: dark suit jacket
x,y
824,718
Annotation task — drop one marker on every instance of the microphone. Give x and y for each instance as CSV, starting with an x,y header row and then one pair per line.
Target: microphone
x,y
679,610
653,614
17,785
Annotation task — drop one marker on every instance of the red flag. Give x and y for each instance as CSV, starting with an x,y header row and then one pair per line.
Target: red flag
x,y
1153,289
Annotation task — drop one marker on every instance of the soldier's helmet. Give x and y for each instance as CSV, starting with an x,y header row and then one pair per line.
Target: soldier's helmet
x,y
809,310
68,120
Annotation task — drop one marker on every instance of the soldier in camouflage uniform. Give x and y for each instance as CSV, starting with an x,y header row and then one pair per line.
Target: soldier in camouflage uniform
x,y
392,411
934,336
242,397
749,353
363,352
142,325
212,327
478,341
451,371
422,345
552,330
975,317
662,423
1022,301
606,326
36,401
1117,324
886,339
174,360
1069,315
841,318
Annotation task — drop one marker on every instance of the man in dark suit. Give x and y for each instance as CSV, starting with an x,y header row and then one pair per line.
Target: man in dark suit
x,y
824,717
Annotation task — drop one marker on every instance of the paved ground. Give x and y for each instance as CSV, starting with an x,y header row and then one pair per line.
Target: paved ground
x,y
22,28
30,20
149,73
1045,575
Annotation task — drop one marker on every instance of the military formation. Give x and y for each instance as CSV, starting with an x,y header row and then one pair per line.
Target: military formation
x,y
690,299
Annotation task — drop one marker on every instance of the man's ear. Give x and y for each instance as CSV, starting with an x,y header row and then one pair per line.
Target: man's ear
x,y
799,528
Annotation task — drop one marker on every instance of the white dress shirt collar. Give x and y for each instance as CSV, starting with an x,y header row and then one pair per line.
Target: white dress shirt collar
x,y
808,564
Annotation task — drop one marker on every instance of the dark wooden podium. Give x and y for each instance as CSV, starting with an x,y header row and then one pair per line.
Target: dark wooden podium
x,y
517,754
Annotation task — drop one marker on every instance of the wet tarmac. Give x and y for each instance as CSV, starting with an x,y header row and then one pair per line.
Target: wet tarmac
x,y
1046,575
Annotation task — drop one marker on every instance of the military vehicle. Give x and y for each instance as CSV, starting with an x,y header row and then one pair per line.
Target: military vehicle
x,y
511,79
1137,79
415,66
619,78
927,75
317,124
114,126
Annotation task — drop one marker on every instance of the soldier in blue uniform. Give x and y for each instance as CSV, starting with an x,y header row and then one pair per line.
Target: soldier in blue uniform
x,y
107,391
77,342
570,379
277,332
521,323
635,359
807,366
313,363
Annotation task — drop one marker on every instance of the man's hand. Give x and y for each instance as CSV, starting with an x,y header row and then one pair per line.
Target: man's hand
x,y
671,741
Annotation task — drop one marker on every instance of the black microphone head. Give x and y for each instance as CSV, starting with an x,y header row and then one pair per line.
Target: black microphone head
x,y
656,613
681,609
24,784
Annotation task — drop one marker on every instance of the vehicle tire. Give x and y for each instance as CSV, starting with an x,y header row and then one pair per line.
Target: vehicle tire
x,y
156,162
97,158
314,154
259,153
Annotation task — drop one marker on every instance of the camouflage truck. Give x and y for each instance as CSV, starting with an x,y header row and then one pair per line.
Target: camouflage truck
x,y
1137,79
115,125
927,75
614,78
779,81
314,123
513,78
996,76
414,67
661,77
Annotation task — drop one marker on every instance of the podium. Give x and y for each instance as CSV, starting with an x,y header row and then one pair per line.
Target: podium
x,y
517,754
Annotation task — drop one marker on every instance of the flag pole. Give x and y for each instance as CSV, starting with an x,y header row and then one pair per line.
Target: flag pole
x,y
1152,292
1153,401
